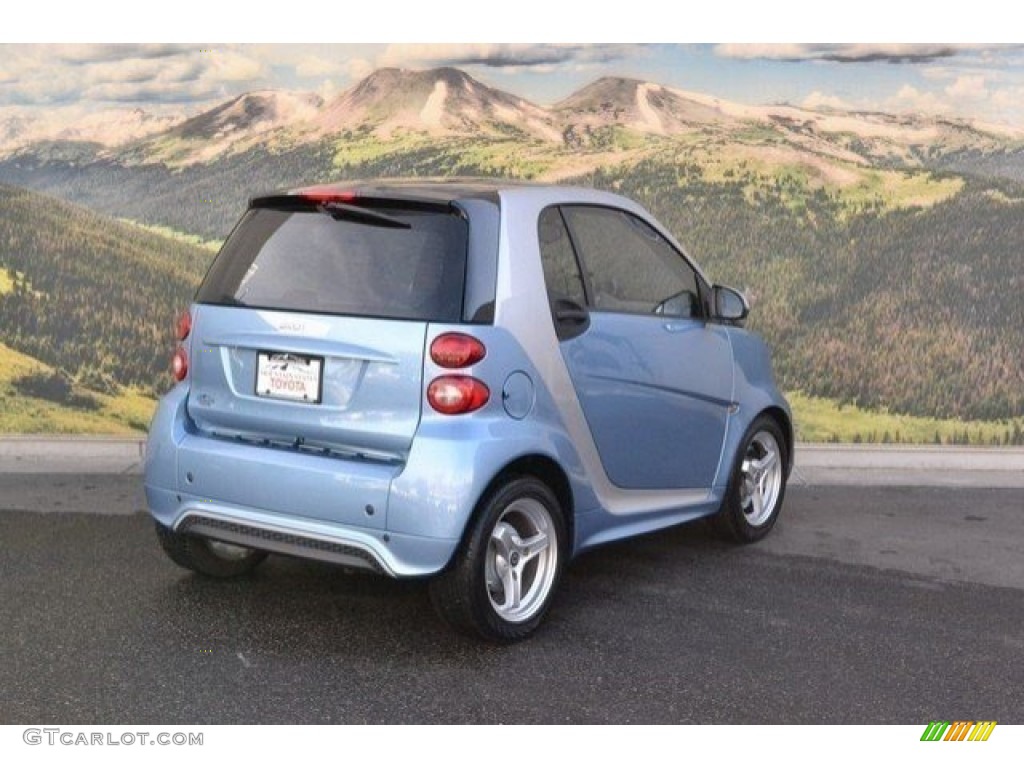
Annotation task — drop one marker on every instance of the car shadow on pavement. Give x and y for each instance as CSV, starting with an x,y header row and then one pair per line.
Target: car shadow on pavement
x,y
297,607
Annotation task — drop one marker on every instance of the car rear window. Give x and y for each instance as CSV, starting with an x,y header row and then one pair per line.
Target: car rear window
x,y
312,261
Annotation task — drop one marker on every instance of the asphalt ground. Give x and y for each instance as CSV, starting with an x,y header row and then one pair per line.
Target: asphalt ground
x,y
865,605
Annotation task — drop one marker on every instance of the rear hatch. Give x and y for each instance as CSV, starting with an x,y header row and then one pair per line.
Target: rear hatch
x,y
309,329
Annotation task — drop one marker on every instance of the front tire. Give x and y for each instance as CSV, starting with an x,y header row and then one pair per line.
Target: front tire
x,y
757,484
504,576
209,558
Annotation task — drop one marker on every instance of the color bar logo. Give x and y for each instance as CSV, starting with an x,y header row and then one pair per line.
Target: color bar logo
x,y
960,730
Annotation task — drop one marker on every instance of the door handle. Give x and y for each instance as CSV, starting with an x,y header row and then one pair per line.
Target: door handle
x,y
679,326
566,315
570,319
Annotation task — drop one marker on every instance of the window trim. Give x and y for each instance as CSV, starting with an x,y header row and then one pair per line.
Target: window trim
x,y
584,281
703,288
588,289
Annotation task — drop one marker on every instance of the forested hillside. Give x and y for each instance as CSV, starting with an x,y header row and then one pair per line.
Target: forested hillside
x,y
207,199
88,295
203,200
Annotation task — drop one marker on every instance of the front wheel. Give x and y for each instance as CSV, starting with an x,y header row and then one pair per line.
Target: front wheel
x,y
757,484
503,578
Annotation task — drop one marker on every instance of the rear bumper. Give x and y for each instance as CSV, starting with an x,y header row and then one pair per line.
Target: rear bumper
x,y
280,501
396,555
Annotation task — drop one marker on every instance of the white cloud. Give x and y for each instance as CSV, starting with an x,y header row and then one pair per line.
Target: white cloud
x,y
784,51
504,55
153,91
93,53
231,66
991,93
177,69
59,74
968,88
1007,104
316,66
848,52
910,99
333,63
818,99
357,69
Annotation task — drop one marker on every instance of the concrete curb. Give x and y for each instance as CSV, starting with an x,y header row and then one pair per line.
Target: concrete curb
x,y
78,454
909,465
816,464
72,446
960,458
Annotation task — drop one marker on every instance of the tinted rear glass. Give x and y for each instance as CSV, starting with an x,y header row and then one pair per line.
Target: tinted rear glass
x,y
309,261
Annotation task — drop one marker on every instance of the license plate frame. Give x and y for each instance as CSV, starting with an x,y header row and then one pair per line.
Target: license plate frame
x,y
303,383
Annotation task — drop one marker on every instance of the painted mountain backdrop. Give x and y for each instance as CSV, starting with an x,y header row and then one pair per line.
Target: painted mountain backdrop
x,y
882,253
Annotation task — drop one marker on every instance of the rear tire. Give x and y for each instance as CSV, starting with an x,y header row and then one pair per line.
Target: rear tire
x,y
503,578
209,558
757,485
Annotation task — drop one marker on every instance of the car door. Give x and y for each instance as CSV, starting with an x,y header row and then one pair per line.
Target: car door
x,y
654,378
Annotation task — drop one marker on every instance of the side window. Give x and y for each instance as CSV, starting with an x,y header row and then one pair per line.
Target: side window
x,y
561,271
630,266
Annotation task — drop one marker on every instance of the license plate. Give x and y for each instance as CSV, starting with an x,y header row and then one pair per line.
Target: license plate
x,y
286,376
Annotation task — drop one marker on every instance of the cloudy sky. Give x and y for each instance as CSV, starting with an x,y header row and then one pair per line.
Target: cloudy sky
x,y
979,81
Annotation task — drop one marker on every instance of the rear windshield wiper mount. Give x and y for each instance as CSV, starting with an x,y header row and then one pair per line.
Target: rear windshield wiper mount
x,y
362,215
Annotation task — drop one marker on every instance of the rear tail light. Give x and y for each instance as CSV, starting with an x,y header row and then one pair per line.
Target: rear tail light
x,y
453,395
182,329
184,326
179,364
456,350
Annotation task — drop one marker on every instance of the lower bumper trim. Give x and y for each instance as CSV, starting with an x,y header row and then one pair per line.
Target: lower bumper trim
x,y
280,540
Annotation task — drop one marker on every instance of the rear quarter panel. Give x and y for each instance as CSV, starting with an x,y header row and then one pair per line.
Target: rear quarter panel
x,y
455,458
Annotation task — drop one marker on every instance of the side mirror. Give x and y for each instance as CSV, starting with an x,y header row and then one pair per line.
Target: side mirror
x,y
730,305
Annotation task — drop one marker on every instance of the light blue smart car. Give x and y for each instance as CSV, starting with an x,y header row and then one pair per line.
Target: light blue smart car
x,y
463,380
